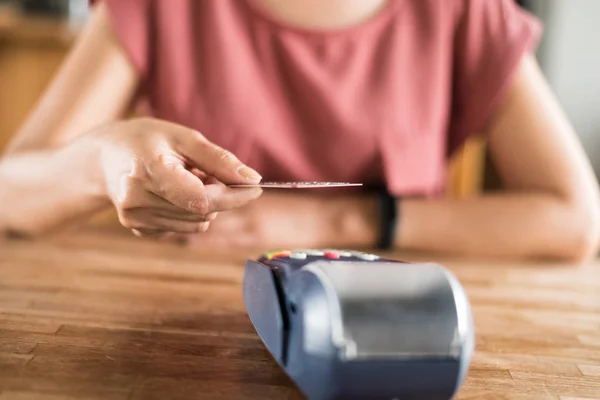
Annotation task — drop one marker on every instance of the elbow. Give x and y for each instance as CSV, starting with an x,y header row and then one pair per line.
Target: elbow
x,y
584,241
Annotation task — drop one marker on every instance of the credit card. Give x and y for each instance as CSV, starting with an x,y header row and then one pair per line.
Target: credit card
x,y
296,185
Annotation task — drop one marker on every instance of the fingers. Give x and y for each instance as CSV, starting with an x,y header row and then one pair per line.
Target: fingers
x,y
179,187
175,226
161,234
154,205
223,198
211,217
214,160
153,225
203,176
183,189
150,233
185,216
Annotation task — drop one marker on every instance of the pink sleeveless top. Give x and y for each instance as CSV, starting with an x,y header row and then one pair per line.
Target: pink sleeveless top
x,y
385,102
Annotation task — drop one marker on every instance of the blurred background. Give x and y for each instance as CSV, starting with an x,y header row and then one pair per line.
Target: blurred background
x,y
35,36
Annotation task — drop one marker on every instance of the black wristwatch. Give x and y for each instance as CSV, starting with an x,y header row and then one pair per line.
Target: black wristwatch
x,y
388,218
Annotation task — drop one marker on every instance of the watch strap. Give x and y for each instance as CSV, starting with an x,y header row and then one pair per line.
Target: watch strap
x,y
388,212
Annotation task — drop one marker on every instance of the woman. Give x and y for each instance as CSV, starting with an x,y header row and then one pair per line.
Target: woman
x,y
375,91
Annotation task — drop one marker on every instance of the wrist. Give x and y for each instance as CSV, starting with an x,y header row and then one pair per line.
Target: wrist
x,y
357,221
85,154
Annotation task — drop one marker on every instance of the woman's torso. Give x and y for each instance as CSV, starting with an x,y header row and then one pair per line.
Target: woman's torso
x,y
372,102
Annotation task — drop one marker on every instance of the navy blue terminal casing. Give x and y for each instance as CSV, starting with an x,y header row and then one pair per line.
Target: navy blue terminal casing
x,y
351,325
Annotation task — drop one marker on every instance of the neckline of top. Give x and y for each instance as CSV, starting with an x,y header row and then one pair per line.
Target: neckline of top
x,y
259,12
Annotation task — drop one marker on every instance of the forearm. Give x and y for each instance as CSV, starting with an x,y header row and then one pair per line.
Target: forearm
x,y
513,226
43,190
504,225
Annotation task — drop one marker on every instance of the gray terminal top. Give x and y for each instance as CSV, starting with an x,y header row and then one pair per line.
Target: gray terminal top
x,y
351,325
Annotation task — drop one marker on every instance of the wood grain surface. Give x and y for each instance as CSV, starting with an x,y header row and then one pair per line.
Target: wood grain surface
x,y
99,315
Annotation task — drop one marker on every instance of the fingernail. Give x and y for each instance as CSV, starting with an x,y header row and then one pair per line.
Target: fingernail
x,y
249,174
211,216
204,226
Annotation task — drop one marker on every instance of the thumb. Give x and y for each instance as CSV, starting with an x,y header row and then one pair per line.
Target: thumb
x,y
214,160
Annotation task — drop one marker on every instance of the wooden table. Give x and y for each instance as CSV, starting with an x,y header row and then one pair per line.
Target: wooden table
x,y
104,316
